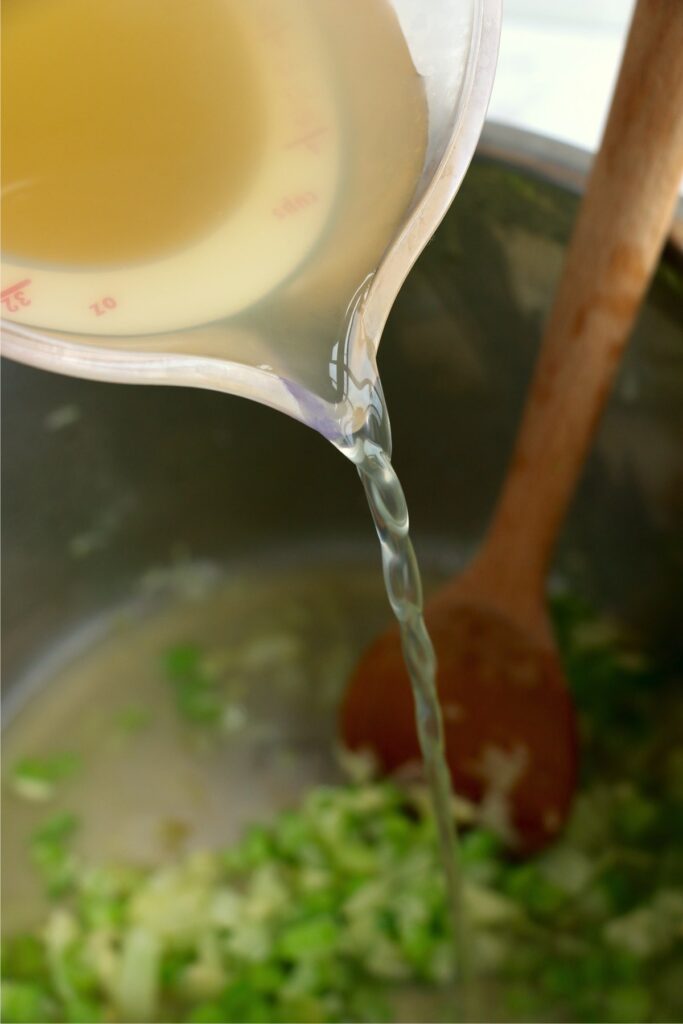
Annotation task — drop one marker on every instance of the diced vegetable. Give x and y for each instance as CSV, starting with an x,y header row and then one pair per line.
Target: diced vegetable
x,y
138,980
37,778
51,853
23,1002
196,695
336,909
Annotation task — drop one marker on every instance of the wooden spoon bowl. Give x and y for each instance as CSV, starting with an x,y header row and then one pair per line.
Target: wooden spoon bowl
x,y
509,722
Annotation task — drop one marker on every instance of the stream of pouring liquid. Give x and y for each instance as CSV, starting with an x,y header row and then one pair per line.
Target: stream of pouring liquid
x,y
370,450
53,202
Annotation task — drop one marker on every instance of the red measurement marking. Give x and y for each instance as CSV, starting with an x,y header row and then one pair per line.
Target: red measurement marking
x,y
294,204
13,297
103,306
310,140
15,287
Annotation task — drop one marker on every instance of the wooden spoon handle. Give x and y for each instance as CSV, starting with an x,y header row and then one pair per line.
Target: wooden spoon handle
x,y
620,230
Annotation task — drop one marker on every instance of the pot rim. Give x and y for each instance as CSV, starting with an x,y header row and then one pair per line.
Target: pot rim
x,y
557,162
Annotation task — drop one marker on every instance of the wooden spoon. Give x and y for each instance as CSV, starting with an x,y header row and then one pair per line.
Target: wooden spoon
x,y
509,721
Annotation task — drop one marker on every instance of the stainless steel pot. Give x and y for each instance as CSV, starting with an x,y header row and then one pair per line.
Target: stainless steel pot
x,y
102,482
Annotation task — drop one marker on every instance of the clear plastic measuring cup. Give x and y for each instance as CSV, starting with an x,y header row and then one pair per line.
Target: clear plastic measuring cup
x,y
284,300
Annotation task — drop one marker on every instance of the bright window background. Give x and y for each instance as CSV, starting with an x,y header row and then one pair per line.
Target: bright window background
x,y
558,64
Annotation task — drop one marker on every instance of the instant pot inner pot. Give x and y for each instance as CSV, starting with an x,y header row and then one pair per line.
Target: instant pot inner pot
x,y
139,517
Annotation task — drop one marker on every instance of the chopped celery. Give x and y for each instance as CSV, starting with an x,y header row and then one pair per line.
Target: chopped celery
x,y
196,695
138,979
182,660
51,854
37,778
315,937
57,829
23,958
629,1004
24,1002
335,910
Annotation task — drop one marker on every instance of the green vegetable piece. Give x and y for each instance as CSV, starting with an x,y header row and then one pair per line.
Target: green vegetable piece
x,y
522,1001
50,853
266,978
24,1003
479,845
23,958
397,829
197,702
239,1002
36,778
635,817
594,970
617,884
181,661
320,901
315,937
196,695
292,832
370,1005
625,966
628,1004
103,896
257,847
57,829
172,967
304,1010
558,978
418,945
83,1011
207,1013
527,886
138,981
72,974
